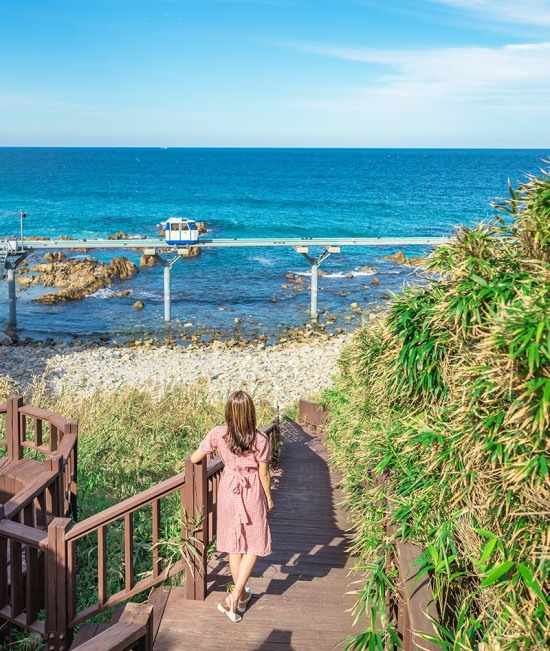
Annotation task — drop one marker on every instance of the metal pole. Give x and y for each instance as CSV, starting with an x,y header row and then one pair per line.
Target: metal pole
x,y
314,276
167,292
12,316
22,216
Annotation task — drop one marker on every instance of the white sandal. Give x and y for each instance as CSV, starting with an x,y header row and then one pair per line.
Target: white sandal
x,y
241,605
233,616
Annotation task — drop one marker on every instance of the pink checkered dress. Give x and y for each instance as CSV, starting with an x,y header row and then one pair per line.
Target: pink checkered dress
x,y
242,505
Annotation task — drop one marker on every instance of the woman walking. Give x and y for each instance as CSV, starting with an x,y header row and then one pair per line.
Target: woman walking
x,y
244,495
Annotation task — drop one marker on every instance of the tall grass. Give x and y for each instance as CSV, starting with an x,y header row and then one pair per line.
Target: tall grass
x,y
129,440
450,394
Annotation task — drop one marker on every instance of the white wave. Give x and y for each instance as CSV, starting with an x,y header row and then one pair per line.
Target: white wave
x,y
337,274
106,292
142,293
266,262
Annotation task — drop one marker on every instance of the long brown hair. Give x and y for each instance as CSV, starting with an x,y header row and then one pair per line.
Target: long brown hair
x,y
240,416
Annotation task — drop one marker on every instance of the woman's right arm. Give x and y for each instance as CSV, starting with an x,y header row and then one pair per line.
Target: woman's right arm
x,y
265,478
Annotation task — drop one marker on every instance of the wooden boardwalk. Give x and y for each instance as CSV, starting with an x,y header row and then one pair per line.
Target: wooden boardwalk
x,y
300,599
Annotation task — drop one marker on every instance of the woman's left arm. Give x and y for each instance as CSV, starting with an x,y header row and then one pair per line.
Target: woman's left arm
x,y
207,446
198,455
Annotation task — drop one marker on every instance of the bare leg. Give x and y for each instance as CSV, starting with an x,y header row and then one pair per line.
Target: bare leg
x,y
234,564
245,570
246,566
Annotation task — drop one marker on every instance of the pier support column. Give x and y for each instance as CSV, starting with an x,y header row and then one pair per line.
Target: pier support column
x,y
315,264
167,293
167,264
314,286
12,312
11,264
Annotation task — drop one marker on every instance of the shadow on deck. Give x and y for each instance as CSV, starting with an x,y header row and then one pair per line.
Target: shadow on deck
x,y
300,599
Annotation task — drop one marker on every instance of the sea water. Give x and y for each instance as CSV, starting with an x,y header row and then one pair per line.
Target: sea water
x,y
95,192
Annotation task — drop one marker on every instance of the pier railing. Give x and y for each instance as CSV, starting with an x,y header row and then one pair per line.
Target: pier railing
x,y
415,609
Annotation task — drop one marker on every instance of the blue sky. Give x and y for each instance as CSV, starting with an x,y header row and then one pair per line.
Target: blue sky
x,y
276,73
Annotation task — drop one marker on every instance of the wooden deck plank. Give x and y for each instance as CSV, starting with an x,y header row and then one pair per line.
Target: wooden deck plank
x,y
301,592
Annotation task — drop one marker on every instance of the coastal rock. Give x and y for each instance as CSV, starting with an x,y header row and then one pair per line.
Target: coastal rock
x,y
367,267
5,340
299,280
401,258
138,305
349,275
55,256
78,278
121,235
398,258
375,281
124,292
148,260
120,268
290,276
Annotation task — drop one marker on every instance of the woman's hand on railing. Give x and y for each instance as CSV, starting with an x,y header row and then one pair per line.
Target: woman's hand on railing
x,y
270,504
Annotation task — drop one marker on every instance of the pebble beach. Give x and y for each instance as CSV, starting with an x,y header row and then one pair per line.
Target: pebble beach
x,y
279,374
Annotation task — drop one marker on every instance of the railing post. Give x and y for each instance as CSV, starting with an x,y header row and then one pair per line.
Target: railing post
x,y
58,634
196,507
13,428
54,463
72,428
5,626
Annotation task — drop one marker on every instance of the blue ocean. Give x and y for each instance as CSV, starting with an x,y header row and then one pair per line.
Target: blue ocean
x,y
95,192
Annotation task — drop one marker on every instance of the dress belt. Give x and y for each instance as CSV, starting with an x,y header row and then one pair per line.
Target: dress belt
x,y
237,483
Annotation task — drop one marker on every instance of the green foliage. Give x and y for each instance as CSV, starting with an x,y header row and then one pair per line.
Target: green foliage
x,y
449,396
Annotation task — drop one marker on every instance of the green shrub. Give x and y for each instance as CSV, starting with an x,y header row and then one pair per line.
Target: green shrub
x,y
450,393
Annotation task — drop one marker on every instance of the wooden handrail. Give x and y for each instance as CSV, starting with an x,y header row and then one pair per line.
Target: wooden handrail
x,y
134,626
142,499
23,498
67,445
126,506
23,534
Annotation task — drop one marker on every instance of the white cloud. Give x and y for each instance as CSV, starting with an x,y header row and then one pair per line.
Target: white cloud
x,y
477,96
470,67
524,12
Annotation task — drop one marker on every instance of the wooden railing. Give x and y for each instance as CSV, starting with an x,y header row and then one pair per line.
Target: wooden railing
x,y
311,414
34,433
195,490
39,486
38,542
134,630
415,609
22,571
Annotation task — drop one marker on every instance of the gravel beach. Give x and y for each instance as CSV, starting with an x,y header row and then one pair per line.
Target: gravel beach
x,y
280,374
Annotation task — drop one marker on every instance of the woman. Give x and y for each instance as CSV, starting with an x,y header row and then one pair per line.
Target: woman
x,y
244,495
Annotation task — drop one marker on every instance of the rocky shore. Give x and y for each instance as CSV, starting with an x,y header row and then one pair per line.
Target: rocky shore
x,y
280,374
